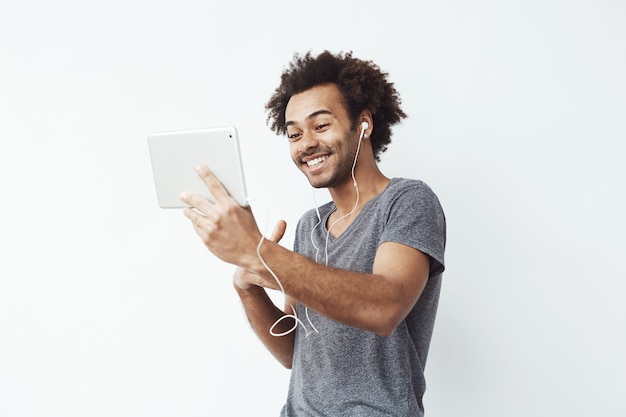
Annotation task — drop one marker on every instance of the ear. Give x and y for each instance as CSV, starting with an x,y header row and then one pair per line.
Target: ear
x,y
366,117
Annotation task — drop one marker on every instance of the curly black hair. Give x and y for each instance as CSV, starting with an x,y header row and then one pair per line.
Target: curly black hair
x,y
363,85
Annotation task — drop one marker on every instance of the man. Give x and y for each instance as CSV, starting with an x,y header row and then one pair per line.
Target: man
x,y
365,270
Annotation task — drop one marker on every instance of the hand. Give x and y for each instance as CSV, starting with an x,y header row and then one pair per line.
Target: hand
x,y
245,279
228,230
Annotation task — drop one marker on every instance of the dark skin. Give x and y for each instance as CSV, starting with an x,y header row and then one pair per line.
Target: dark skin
x,y
323,147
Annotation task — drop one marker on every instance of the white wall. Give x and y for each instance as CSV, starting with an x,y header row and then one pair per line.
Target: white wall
x,y
111,306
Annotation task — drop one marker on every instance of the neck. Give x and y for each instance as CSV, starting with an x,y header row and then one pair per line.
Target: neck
x,y
370,182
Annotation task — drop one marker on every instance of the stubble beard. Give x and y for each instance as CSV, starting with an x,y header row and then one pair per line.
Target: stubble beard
x,y
342,172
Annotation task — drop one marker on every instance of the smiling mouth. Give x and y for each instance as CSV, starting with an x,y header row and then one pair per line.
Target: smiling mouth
x,y
315,162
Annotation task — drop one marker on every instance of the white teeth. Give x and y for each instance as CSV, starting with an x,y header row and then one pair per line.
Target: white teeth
x,y
316,161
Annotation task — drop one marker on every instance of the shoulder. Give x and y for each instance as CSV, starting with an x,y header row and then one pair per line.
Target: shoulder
x,y
409,192
401,184
414,217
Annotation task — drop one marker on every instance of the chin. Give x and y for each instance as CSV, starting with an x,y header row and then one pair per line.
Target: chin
x,y
317,184
324,182
329,179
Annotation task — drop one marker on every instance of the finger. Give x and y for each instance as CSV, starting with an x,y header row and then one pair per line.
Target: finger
x,y
216,188
279,231
198,202
198,220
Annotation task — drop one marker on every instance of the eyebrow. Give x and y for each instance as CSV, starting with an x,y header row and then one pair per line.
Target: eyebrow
x,y
310,116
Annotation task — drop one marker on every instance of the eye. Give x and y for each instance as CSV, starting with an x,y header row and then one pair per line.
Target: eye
x,y
293,136
322,126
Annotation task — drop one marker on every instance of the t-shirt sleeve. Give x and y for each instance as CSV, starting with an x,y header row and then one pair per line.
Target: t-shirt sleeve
x,y
416,219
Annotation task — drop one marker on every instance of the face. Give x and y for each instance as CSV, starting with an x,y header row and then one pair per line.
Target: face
x,y
321,143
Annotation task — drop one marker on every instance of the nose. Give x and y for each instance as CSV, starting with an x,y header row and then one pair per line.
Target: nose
x,y
307,142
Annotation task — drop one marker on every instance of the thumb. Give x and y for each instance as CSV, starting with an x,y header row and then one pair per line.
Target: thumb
x,y
279,231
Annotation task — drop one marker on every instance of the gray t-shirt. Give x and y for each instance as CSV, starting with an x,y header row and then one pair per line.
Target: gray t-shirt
x,y
344,371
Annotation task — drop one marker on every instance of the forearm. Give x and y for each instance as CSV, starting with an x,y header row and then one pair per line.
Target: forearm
x,y
262,314
374,302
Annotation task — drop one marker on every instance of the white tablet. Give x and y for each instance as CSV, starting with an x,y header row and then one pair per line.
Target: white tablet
x,y
175,155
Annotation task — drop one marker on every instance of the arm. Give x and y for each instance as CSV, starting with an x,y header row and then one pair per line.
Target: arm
x,y
377,302
262,313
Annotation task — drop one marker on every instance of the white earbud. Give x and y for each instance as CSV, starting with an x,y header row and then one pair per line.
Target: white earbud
x,y
364,125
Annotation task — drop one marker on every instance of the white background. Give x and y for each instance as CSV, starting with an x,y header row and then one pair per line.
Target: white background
x,y
110,306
